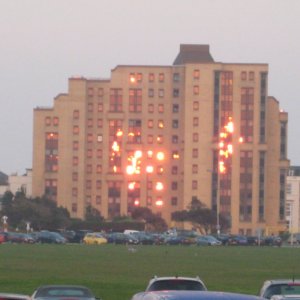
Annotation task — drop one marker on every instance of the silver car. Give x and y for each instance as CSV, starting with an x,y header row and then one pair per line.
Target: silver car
x,y
195,295
280,287
61,292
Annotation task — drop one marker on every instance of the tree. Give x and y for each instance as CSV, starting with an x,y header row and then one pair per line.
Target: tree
x,y
201,217
154,221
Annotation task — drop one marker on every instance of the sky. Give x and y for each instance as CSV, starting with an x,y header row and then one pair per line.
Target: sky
x,y
45,42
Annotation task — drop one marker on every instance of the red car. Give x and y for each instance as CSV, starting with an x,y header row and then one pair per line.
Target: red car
x,y
2,237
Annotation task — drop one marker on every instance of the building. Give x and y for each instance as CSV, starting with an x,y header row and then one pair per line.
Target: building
x,y
149,136
17,183
293,199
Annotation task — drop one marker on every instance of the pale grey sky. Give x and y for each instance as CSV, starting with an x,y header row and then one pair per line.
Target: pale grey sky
x,y
44,42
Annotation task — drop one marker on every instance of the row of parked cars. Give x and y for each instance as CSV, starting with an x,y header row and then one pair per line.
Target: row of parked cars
x,y
168,288
135,238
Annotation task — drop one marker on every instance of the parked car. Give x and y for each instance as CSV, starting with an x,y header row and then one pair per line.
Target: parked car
x,y
143,238
178,240
121,238
176,283
79,235
2,237
61,292
193,295
280,287
223,238
10,296
273,241
285,297
207,240
238,240
255,240
18,237
50,237
95,238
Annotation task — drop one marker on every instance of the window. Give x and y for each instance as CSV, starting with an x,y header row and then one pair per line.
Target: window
x,y
74,176
160,108
89,153
151,77
195,122
89,137
98,184
74,192
195,105
48,121
139,77
90,123
176,77
175,108
100,92
99,169
175,139
99,138
75,145
89,169
196,74
196,90
116,100
195,169
74,207
160,124
174,201
134,131
100,107
135,100
175,154
88,184
150,139
75,161
150,108
99,123
150,93
244,75
174,170
175,93
174,185
175,123
195,137
150,123
75,129
161,93
195,153
55,121
160,139
194,185
161,77
251,75
90,107
99,153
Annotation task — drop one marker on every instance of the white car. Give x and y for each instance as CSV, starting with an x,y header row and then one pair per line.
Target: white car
x,y
280,287
172,283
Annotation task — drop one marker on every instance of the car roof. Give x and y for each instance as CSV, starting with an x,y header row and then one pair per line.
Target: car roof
x,y
155,278
196,295
283,281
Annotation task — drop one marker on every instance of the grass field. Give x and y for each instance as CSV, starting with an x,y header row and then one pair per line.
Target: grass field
x,y
115,273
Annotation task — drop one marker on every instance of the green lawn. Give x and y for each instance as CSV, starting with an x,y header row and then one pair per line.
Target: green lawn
x,y
114,273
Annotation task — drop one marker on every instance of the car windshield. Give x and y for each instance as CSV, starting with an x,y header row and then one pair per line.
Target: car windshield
x,y
176,284
63,292
282,289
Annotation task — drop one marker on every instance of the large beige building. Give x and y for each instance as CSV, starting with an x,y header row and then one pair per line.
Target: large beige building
x,y
150,136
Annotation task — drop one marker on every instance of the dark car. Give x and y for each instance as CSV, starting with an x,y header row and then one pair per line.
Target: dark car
x,y
238,240
121,238
273,241
280,287
193,295
61,292
144,238
207,240
50,237
18,238
79,236
255,240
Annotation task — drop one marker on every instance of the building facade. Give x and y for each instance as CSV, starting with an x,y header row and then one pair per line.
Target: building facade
x,y
293,199
149,136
